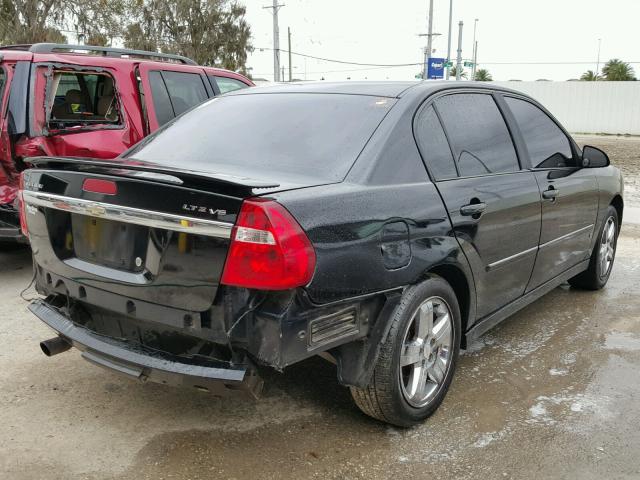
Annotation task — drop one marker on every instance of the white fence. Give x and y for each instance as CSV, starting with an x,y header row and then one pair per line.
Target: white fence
x,y
588,107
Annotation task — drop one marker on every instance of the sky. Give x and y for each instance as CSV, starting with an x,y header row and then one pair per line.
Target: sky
x,y
386,32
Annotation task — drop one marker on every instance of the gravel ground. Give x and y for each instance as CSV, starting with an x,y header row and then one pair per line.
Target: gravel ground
x,y
550,393
624,152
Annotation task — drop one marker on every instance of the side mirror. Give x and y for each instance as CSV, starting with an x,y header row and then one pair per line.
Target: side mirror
x,y
593,157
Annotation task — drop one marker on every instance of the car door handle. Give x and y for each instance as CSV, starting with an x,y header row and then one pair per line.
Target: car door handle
x,y
473,209
550,194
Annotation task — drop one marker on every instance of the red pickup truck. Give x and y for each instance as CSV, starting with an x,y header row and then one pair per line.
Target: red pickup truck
x,y
85,101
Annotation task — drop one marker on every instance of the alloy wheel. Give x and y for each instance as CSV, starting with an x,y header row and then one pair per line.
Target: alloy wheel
x,y
426,352
607,246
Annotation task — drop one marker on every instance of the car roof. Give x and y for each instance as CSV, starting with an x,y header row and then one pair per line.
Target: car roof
x,y
393,89
377,89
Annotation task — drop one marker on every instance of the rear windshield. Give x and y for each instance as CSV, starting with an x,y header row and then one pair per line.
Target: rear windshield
x,y
301,134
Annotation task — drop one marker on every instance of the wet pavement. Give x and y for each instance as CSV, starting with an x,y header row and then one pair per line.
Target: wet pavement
x,y
553,392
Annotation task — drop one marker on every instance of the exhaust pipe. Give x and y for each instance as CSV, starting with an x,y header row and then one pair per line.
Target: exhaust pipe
x,y
54,346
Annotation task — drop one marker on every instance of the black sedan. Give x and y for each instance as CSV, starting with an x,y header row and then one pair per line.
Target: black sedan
x,y
380,225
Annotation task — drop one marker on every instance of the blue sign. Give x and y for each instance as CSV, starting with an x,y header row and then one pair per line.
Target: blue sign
x,y
435,68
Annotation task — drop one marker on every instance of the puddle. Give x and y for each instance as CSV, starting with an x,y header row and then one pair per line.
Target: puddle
x,y
632,215
295,450
622,341
554,409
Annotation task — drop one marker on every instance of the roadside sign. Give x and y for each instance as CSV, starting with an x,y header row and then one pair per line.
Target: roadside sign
x,y
468,64
435,68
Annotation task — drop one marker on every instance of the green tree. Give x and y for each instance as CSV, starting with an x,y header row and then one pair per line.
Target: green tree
x,y
212,32
453,70
32,21
590,76
617,70
483,75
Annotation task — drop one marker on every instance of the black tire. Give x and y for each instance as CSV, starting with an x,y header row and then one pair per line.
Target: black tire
x,y
594,278
383,398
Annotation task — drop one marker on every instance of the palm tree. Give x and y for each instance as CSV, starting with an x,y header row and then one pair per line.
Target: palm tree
x,y
452,72
617,70
483,75
590,76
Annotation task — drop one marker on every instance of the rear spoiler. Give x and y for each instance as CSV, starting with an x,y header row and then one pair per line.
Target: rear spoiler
x,y
134,165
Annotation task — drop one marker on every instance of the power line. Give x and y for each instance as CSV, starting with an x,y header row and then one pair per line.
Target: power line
x,y
544,63
348,63
319,72
411,64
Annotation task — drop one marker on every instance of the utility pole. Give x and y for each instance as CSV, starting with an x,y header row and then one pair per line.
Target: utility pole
x,y
459,58
276,40
449,39
598,62
475,46
429,40
429,48
290,67
475,59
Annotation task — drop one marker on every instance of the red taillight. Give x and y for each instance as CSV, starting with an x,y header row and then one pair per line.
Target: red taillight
x,y
269,250
96,185
22,208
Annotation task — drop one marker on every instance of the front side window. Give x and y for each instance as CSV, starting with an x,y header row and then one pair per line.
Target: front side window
x,y
478,133
3,79
78,98
186,90
226,84
433,145
546,143
161,101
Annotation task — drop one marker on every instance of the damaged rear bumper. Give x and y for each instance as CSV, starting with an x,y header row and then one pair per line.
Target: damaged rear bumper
x,y
143,365
10,226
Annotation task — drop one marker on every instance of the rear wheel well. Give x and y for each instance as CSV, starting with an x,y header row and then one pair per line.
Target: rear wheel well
x,y
618,204
458,281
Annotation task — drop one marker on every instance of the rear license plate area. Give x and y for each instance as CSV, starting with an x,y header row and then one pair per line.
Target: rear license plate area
x,y
118,245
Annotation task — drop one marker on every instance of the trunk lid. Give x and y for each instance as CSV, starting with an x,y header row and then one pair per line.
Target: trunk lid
x,y
153,234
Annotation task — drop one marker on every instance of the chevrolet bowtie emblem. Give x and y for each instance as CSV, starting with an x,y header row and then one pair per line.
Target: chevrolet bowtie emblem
x,y
96,210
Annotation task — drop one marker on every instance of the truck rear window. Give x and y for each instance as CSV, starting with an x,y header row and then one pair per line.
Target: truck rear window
x,y
300,134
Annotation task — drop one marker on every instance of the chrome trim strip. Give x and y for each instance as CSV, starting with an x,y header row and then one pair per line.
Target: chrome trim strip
x,y
567,235
136,216
502,261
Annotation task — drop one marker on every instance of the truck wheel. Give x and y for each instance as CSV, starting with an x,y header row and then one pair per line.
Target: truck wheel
x,y
604,252
418,358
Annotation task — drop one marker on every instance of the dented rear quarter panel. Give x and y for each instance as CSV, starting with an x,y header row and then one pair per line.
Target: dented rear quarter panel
x,y
384,227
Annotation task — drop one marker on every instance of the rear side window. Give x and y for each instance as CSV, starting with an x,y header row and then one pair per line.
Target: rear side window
x,y
78,98
478,133
546,143
274,136
175,92
226,84
433,145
